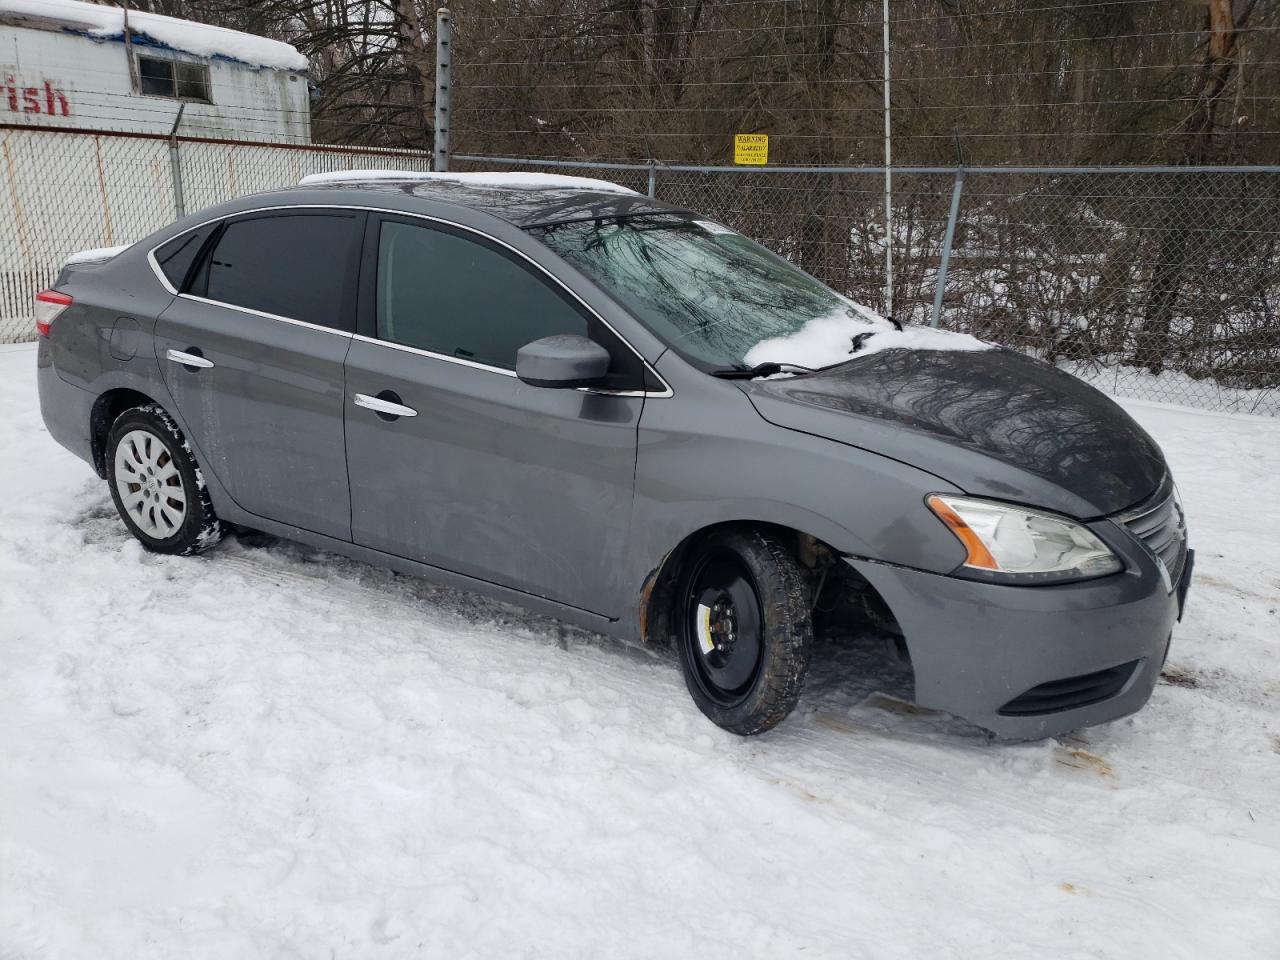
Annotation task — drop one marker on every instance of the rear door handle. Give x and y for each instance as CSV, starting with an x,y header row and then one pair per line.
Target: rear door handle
x,y
386,405
188,360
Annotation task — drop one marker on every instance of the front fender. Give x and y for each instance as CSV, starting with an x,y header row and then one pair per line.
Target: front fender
x,y
706,457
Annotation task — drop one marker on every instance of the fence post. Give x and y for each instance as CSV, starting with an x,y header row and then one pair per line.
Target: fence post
x,y
946,246
653,178
444,86
175,167
888,176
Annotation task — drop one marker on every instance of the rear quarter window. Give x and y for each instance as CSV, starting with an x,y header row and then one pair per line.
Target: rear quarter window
x,y
176,257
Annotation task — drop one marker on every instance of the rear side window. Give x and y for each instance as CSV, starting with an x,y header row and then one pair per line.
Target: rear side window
x,y
441,292
176,257
290,265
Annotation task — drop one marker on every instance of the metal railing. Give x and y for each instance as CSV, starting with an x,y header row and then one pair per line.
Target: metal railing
x,y
1158,283
1152,282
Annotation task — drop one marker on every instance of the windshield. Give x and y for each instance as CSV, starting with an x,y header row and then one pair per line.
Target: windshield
x,y
712,294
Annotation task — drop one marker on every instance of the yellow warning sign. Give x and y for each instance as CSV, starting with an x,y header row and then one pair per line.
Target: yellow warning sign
x,y
751,149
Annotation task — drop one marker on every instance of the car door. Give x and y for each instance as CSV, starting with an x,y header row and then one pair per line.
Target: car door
x,y
252,352
471,469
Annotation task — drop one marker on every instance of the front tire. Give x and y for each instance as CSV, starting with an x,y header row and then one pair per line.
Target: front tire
x,y
156,486
743,629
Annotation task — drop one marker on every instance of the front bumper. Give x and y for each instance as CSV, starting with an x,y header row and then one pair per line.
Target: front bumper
x,y
1032,662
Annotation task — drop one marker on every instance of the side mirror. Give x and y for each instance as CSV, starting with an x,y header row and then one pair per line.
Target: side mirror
x,y
563,361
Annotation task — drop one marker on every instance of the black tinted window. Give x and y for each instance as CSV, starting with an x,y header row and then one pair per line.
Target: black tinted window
x,y
441,292
294,265
176,257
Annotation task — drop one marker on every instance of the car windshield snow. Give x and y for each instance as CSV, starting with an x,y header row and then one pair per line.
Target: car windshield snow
x,y
718,298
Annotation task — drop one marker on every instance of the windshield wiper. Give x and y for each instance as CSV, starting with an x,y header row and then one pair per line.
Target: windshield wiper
x,y
768,369
860,340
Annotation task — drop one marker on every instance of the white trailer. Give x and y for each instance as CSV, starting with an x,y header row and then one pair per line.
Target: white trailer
x,y
68,64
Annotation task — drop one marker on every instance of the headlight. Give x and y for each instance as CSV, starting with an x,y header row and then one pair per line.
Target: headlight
x,y
1015,545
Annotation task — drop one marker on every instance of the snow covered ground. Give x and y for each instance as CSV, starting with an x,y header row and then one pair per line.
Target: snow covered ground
x,y
272,752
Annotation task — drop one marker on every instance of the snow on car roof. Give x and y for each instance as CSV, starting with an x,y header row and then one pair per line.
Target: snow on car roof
x,y
107,23
498,179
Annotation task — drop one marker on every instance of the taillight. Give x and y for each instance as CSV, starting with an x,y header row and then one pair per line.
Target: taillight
x,y
49,306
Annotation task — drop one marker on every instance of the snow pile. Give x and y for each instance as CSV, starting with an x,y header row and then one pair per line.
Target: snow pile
x,y
107,23
519,181
268,751
827,340
96,255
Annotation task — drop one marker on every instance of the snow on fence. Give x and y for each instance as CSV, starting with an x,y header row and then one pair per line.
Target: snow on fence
x,y
1153,283
68,190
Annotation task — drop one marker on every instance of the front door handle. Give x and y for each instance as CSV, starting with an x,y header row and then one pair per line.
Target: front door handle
x,y
387,405
192,361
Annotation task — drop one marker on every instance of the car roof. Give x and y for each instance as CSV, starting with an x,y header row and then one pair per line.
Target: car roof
x,y
524,200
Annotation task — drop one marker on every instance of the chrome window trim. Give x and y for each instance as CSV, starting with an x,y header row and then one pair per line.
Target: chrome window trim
x,y
489,368
269,316
461,361
665,392
155,266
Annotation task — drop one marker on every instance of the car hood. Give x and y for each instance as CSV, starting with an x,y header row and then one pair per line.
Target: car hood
x,y
994,423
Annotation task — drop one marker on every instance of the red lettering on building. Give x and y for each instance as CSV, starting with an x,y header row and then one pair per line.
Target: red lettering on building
x,y
48,100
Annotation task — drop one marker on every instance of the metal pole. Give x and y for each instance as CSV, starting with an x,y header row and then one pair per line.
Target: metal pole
x,y
653,178
946,247
134,80
175,166
444,86
888,178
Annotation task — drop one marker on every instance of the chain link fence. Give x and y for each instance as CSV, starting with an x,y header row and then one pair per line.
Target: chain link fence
x,y
1158,285
65,191
1152,283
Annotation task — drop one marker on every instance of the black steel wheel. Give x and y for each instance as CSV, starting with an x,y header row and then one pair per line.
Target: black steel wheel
x,y
722,614
743,629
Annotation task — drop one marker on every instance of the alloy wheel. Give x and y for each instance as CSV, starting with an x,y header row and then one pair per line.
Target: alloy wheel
x,y
149,484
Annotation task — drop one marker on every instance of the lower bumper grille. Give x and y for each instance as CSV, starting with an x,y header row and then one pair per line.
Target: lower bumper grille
x,y
1071,692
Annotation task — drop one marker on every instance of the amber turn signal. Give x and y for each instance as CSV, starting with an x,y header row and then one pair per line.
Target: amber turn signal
x,y
979,555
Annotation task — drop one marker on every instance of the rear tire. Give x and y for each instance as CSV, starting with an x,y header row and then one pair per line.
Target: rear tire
x,y
157,486
743,628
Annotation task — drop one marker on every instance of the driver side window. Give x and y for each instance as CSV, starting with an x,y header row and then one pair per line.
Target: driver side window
x,y
441,292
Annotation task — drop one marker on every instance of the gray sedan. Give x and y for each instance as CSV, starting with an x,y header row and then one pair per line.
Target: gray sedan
x,y
627,416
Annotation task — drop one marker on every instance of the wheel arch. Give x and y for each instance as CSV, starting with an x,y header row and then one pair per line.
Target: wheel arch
x,y
816,556
106,410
